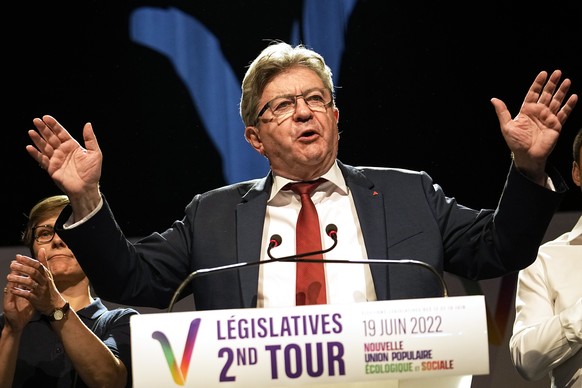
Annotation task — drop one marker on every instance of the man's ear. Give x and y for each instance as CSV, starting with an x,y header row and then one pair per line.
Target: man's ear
x,y
576,172
254,139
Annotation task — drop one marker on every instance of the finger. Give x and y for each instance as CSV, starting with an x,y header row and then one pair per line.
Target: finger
x,y
559,96
32,285
33,152
25,266
39,144
41,139
27,260
547,93
568,107
56,128
20,267
533,94
51,131
9,288
42,128
21,280
28,268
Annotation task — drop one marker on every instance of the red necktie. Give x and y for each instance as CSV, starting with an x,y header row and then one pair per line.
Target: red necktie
x,y
310,287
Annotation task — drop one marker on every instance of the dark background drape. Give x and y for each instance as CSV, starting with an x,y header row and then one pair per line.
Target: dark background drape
x,y
414,83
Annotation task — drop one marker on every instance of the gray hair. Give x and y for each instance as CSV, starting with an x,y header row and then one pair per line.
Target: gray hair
x,y
273,60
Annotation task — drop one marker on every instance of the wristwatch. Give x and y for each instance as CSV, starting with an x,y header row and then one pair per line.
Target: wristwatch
x,y
59,313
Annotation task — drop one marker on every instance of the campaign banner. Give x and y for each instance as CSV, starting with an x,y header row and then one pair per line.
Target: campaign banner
x,y
312,345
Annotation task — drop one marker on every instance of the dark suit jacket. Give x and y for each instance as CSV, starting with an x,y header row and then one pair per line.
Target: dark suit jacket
x,y
403,215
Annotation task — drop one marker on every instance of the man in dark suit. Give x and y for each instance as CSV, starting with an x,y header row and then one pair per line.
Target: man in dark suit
x,y
290,116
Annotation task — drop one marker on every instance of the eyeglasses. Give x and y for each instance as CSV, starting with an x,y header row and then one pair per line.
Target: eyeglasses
x,y
43,234
283,106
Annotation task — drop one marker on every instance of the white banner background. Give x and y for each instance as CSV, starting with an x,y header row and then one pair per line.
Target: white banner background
x,y
362,342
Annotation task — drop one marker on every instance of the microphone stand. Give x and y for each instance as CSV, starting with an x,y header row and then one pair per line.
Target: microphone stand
x,y
300,259
274,243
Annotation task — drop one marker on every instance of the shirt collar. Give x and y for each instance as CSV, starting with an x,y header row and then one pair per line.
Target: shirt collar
x,y
333,175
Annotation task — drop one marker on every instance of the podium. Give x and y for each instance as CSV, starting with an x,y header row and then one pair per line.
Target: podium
x,y
400,343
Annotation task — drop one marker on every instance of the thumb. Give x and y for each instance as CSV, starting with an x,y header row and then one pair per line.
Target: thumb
x,y
41,256
501,110
89,138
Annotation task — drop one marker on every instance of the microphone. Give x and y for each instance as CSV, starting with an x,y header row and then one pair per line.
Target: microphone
x,y
331,231
275,240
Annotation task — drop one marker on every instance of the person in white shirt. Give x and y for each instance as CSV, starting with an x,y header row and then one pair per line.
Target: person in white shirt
x,y
547,332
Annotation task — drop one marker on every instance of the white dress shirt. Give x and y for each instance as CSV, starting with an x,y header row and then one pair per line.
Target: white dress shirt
x,y
346,283
547,332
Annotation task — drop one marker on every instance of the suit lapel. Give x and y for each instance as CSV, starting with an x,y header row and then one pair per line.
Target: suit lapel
x,y
250,219
371,214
